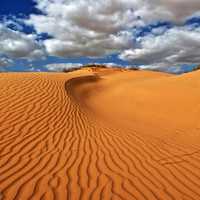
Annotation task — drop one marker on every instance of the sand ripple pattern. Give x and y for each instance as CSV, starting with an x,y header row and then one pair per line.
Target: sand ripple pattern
x,y
53,148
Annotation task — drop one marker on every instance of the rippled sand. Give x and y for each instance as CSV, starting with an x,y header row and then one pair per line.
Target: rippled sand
x,y
100,134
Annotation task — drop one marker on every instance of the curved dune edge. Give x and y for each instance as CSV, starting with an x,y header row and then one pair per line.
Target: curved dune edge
x,y
100,134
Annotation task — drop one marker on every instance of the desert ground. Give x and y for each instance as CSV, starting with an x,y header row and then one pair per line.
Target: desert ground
x,y
99,133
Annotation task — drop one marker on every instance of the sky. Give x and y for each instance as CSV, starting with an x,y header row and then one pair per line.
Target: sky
x,y
50,35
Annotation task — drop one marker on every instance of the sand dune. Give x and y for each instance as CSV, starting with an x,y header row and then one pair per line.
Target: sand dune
x,y
100,134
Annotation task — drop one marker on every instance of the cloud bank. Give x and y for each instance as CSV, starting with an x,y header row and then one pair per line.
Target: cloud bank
x,y
4,62
18,45
99,28
175,46
58,67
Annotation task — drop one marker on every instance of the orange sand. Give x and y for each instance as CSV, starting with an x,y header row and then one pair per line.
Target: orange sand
x,y
100,134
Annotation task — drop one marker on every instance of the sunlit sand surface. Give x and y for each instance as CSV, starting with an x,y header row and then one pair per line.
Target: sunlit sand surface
x,y
100,134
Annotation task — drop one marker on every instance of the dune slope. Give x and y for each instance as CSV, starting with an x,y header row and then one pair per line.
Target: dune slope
x,y
100,134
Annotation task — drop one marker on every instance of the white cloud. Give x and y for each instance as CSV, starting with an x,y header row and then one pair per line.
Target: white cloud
x,y
18,45
57,67
100,46
34,69
97,28
4,62
85,27
176,46
176,11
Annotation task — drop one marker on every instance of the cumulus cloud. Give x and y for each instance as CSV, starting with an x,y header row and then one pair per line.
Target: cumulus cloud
x,y
58,67
167,10
174,47
86,27
34,69
98,28
18,45
4,62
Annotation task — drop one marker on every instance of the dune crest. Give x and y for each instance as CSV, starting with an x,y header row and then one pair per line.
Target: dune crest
x,y
100,134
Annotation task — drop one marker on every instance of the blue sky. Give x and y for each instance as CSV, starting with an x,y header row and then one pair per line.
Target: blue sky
x,y
41,33
9,7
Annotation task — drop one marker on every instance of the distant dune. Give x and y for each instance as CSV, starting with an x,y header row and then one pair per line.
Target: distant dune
x,y
99,133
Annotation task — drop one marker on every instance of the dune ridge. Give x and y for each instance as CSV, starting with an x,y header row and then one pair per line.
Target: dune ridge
x,y
100,134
